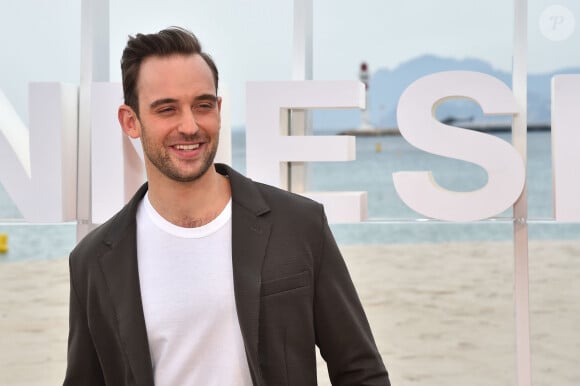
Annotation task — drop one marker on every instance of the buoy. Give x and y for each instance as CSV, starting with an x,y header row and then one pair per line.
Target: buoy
x,y
3,243
378,147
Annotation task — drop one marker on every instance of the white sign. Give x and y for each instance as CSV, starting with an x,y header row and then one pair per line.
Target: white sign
x,y
38,167
269,148
38,170
566,146
505,168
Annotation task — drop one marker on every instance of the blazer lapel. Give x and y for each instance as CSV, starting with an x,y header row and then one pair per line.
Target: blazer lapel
x,y
120,269
250,234
249,240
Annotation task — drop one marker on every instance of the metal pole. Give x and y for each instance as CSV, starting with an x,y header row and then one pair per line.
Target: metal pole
x,y
94,68
519,139
301,70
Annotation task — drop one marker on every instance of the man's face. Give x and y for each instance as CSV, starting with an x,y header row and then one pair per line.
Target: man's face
x,y
179,116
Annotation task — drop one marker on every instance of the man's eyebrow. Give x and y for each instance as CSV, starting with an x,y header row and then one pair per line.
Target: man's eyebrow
x,y
163,101
160,102
206,97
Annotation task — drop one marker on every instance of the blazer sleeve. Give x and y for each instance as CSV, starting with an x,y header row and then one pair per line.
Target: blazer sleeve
x,y
83,367
343,333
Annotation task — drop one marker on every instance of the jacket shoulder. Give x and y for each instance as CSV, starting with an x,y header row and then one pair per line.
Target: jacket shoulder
x,y
107,234
277,196
262,199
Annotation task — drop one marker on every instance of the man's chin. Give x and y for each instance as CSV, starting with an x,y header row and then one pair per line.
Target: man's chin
x,y
190,176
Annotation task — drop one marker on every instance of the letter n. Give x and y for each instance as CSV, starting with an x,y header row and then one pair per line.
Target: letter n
x,y
38,166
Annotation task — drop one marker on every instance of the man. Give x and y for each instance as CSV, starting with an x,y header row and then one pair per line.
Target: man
x,y
206,277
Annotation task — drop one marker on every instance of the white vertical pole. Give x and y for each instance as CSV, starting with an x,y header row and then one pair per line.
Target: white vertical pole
x,y
519,139
301,70
94,68
302,50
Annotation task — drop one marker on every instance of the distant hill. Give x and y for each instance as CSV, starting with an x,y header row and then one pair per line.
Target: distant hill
x,y
386,86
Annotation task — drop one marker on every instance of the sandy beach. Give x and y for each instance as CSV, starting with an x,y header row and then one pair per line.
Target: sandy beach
x,y
442,314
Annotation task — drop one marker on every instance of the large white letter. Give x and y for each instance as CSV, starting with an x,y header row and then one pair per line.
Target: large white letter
x,y
268,146
566,146
417,123
38,167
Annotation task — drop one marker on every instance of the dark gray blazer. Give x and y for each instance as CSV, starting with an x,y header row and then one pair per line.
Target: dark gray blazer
x,y
292,292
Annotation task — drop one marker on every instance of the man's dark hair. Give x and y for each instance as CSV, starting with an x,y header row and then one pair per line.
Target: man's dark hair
x,y
170,41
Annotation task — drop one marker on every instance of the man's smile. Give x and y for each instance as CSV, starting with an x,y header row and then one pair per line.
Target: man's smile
x,y
187,147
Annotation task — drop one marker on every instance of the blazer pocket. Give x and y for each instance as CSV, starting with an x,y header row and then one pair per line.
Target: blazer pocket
x,y
287,283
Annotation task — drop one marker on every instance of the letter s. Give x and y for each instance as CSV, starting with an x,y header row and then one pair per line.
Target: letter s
x,y
418,125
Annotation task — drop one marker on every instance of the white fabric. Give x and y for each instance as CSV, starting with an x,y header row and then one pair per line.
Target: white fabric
x,y
188,300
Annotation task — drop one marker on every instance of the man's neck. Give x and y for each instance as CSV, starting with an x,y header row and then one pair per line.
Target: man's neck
x,y
190,204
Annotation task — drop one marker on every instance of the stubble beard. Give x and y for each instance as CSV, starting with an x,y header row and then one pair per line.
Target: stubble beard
x,y
161,160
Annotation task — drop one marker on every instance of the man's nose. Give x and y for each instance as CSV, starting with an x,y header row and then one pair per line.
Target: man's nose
x,y
188,124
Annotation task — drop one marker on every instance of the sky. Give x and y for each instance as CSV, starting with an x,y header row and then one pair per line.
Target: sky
x,y
252,40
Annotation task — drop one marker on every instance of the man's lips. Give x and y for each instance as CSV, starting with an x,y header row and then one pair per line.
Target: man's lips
x,y
189,147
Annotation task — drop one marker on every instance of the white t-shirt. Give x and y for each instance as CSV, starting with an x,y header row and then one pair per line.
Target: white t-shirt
x,y
187,289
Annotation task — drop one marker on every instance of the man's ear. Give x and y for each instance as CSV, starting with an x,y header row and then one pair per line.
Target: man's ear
x,y
129,121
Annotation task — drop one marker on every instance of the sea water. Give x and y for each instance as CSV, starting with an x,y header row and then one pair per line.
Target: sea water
x,y
390,220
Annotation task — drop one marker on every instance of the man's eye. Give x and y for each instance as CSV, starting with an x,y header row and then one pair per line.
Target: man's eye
x,y
166,110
